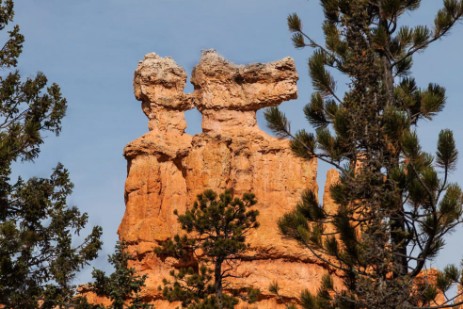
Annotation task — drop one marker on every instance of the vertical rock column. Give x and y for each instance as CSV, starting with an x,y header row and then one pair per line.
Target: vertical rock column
x,y
233,152
168,168
155,184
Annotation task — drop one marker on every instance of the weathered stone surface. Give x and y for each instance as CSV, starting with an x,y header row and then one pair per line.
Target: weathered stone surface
x,y
158,83
220,84
167,168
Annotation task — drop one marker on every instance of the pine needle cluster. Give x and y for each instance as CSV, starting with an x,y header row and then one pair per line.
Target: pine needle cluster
x,y
395,201
123,286
217,226
39,256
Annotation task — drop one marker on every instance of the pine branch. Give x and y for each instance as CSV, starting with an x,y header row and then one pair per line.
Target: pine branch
x,y
436,37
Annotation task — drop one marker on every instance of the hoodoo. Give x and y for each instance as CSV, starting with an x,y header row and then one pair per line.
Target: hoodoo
x,y
167,168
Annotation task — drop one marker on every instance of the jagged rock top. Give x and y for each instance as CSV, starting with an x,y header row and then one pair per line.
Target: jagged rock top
x,y
226,94
160,82
220,84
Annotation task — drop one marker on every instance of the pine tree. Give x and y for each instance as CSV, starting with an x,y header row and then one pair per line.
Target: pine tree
x,y
216,227
38,255
122,287
396,203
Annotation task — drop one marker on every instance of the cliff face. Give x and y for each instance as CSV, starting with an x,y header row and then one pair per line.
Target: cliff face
x,y
167,168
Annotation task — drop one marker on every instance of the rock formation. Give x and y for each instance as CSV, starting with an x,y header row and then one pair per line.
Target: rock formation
x,y
167,168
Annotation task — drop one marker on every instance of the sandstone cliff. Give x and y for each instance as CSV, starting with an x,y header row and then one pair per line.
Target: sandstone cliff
x,y
167,168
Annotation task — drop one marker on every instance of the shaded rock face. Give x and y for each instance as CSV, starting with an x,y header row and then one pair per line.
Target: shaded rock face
x,y
167,168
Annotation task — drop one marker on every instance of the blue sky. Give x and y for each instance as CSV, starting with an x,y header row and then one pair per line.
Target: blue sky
x,y
91,49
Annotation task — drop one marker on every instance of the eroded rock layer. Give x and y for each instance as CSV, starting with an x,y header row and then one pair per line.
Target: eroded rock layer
x,y
167,168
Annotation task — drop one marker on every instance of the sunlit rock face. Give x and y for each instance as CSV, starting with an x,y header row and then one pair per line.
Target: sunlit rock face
x,y
167,168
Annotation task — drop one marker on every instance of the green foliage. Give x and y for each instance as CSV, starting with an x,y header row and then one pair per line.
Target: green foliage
x,y
197,281
252,295
303,145
447,153
217,227
274,288
395,202
323,299
277,122
38,253
123,285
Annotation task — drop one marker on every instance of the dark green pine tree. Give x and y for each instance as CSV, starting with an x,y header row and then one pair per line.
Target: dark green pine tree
x,y
122,287
38,255
396,203
216,227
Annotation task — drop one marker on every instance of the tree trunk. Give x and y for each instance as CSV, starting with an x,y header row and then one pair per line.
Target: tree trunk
x,y
218,283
